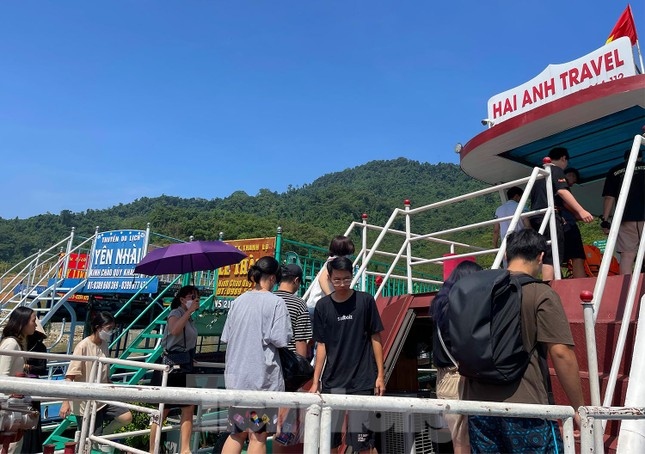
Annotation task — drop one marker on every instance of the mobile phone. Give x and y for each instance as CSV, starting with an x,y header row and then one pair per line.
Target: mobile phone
x,y
284,438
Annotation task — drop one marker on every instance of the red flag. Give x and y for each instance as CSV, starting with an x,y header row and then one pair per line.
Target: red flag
x,y
624,27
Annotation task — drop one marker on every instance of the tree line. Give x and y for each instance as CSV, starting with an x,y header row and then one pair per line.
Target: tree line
x,y
310,214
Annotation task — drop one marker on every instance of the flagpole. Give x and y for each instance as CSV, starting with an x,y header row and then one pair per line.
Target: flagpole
x,y
640,57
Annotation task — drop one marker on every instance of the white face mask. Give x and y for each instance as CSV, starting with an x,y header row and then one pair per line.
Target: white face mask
x,y
189,304
105,335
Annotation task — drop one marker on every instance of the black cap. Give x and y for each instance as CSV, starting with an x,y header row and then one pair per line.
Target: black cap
x,y
291,270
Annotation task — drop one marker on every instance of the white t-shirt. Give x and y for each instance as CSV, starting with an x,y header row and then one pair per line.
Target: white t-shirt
x,y
507,209
257,324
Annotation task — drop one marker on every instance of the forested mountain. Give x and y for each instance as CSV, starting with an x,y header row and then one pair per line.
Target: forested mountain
x,y
311,214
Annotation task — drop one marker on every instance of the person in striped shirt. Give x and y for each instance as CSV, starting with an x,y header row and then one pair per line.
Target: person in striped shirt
x,y
300,321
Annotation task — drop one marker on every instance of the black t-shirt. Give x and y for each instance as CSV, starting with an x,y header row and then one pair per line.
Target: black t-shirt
x,y
346,329
538,193
635,206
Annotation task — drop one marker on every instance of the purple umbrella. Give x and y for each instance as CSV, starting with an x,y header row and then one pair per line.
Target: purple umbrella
x,y
180,258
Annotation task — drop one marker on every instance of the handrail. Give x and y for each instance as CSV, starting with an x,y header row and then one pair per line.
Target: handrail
x,y
315,424
588,415
405,250
624,325
603,271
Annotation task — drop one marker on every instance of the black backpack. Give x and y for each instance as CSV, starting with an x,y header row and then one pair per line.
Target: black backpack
x,y
485,326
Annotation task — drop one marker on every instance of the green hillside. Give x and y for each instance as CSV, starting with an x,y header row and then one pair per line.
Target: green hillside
x,y
310,214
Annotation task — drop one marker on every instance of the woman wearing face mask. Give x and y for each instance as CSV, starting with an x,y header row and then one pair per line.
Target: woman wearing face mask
x,y
108,417
180,335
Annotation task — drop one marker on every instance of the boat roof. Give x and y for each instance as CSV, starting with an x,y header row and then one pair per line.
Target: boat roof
x,y
597,125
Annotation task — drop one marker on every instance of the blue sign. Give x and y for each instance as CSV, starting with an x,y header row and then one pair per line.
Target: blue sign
x,y
114,256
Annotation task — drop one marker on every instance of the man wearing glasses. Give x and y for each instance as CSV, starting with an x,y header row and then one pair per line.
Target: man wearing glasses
x,y
349,354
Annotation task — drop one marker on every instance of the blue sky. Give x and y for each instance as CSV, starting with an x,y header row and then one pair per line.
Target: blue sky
x,y
105,102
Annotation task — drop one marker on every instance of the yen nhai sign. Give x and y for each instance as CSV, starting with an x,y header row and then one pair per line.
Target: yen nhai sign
x,y
114,256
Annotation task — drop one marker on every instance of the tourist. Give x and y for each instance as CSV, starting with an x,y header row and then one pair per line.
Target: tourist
x,y
340,246
633,221
109,418
574,249
21,324
180,336
347,329
34,368
300,321
257,325
545,331
450,384
562,198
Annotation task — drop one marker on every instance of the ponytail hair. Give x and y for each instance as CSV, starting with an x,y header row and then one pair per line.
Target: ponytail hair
x,y
265,266
341,246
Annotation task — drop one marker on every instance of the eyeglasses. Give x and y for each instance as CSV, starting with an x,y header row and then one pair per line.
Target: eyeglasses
x,y
345,281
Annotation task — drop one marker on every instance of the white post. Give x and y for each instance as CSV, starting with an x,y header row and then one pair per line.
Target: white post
x,y
552,220
592,360
631,437
364,244
325,430
312,429
408,246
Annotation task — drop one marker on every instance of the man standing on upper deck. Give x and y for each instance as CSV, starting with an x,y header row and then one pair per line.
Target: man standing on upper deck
x,y
513,196
631,226
562,199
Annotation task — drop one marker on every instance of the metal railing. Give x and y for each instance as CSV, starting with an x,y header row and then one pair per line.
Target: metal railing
x,y
368,252
589,417
593,306
109,395
318,406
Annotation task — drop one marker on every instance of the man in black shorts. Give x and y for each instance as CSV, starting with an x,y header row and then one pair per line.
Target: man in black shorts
x,y
347,329
562,198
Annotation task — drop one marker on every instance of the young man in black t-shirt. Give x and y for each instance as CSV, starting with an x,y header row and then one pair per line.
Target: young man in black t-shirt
x,y
347,329
633,222
562,199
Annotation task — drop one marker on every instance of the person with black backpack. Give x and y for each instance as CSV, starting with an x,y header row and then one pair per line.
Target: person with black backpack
x,y
450,384
502,324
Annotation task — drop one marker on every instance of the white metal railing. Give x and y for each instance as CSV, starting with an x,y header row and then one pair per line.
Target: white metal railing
x,y
41,387
319,406
588,419
592,309
37,273
405,251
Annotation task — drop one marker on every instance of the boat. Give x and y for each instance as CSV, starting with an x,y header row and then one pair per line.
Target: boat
x,y
597,119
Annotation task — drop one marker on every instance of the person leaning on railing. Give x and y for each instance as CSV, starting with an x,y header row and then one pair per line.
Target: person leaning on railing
x,y
96,345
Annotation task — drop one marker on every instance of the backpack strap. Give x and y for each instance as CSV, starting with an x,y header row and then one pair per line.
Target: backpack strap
x,y
524,279
445,349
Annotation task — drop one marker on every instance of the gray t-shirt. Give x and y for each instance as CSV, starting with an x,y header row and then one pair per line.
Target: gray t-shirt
x,y
176,343
257,324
